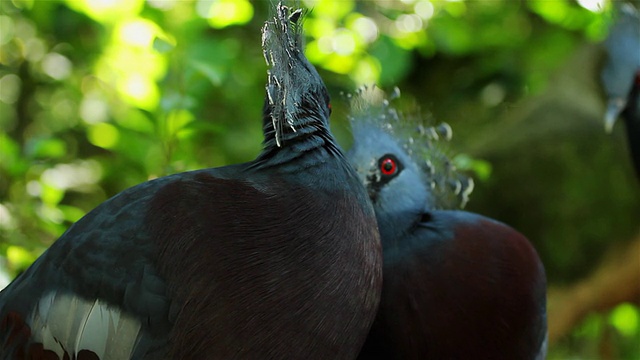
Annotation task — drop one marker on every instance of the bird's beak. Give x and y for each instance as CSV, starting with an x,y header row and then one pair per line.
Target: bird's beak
x,y
614,108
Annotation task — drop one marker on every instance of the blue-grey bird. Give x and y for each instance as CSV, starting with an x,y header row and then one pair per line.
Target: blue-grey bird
x,y
457,285
621,77
278,258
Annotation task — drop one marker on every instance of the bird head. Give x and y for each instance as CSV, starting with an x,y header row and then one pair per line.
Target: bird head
x,y
296,97
401,161
622,68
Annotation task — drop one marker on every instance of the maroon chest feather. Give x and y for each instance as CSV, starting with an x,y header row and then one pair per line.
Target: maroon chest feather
x,y
471,299
267,272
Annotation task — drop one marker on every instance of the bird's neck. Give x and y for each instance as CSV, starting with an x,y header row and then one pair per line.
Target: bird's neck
x,y
305,145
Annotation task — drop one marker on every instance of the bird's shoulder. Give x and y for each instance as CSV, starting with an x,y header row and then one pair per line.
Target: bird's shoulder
x,y
104,263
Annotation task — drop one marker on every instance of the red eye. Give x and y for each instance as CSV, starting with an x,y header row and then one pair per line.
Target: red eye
x,y
329,106
388,167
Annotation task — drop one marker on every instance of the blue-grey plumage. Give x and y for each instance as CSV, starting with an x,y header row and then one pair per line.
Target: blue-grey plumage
x,y
457,285
379,129
275,258
623,62
621,77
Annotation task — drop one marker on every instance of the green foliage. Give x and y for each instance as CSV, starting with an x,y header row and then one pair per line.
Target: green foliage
x,y
626,319
615,335
97,96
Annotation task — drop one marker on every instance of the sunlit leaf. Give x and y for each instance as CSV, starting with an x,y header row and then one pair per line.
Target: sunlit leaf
x,y
596,6
314,54
19,257
410,41
6,29
331,9
10,155
625,318
122,60
340,64
136,120
107,11
224,13
456,8
132,66
178,119
317,27
568,15
553,11
344,42
137,32
50,194
367,71
139,90
103,135
364,26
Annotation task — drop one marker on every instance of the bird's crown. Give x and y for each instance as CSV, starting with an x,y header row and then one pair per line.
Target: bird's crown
x,y
425,145
296,95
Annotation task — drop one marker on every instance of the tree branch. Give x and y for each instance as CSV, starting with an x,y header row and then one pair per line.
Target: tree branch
x,y
615,281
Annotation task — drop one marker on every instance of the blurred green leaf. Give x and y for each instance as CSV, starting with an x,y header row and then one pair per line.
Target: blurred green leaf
x,y
71,213
626,319
51,195
10,156
136,120
395,62
224,13
177,119
19,257
162,46
46,148
553,11
103,135
481,168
